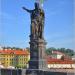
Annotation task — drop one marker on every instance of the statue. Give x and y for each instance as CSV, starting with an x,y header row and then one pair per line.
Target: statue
x,y
37,21
37,42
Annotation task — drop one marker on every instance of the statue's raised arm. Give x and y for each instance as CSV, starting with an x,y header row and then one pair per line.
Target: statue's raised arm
x,y
27,9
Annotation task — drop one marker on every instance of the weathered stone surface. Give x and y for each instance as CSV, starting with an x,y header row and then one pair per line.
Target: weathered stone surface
x,y
37,42
31,72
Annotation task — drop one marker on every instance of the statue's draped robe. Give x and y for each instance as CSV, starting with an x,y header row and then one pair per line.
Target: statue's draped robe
x,y
37,23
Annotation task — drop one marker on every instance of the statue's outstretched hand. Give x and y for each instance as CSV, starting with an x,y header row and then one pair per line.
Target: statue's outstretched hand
x,y
27,9
24,8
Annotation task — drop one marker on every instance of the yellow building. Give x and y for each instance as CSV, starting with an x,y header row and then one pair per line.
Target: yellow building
x,y
15,58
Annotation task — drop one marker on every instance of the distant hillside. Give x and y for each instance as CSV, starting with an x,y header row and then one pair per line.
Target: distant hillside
x,y
69,52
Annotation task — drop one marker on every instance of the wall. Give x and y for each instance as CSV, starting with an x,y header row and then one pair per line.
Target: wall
x,y
23,71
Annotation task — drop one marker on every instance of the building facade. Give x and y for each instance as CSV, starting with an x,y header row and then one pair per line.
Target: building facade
x,y
14,58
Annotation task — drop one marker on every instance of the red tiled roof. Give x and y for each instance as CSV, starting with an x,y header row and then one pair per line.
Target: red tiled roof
x,y
14,52
59,61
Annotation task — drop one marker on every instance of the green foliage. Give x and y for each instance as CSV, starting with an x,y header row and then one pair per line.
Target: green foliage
x,y
20,66
12,48
69,52
49,50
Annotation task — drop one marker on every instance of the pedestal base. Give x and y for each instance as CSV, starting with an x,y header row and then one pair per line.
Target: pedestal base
x,y
34,72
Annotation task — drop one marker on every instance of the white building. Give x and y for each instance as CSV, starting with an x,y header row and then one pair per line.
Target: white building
x,y
1,48
1,66
57,54
73,58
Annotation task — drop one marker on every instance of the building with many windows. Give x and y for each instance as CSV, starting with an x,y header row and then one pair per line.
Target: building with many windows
x,y
14,58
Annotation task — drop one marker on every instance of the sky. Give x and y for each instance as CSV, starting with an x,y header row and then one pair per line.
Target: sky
x,y
58,28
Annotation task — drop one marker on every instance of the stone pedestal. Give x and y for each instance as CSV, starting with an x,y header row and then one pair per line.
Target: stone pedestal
x,y
37,54
37,61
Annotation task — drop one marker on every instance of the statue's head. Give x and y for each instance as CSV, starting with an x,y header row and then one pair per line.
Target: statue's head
x,y
36,5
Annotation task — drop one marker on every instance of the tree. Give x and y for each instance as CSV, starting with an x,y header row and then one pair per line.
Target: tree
x,y
69,52
49,50
62,50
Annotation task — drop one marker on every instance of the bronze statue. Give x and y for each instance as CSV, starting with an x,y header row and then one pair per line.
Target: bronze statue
x,y
37,21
